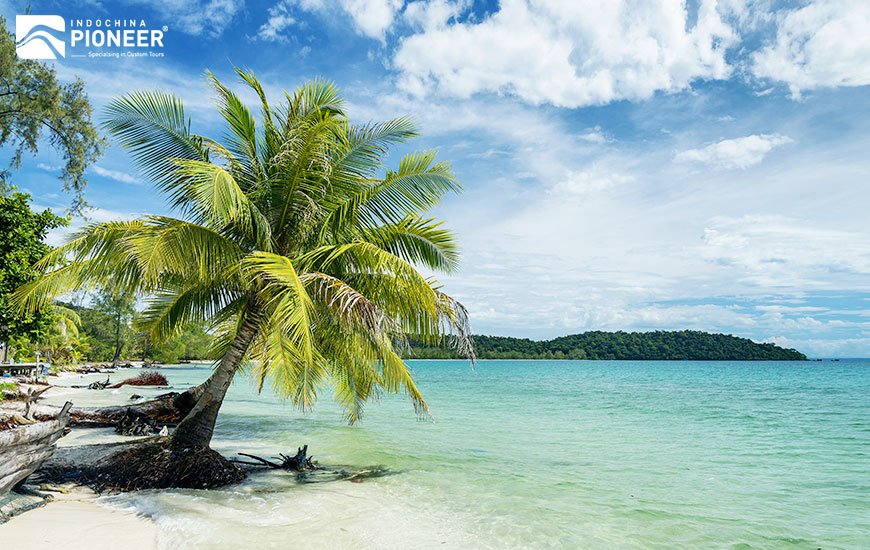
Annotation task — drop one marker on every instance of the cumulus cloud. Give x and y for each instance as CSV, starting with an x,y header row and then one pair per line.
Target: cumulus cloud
x,y
279,20
568,54
823,44
734,153
821,347
371,18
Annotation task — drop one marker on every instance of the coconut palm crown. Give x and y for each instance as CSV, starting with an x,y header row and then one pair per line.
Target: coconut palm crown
x,y
291,240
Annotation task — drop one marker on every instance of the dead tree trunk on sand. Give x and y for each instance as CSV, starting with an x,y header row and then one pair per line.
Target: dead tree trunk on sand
x,y
167,409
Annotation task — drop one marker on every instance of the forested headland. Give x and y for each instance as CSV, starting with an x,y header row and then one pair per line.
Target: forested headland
x,y
653,346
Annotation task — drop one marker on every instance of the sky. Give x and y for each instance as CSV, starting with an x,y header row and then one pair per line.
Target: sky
x,y
626,165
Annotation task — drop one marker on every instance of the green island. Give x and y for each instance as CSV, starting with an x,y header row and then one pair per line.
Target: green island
x,y
676,345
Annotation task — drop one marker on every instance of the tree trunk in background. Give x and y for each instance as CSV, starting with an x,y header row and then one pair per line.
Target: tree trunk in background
x,y
197,428
117,358
145,345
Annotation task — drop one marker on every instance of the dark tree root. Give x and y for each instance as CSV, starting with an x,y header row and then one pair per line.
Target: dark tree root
x,y
159,464
134,423
163,464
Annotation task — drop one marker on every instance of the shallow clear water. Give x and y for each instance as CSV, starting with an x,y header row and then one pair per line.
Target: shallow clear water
x,y
554,454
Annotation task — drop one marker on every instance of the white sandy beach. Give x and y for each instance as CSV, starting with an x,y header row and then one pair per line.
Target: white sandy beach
x,y
75,521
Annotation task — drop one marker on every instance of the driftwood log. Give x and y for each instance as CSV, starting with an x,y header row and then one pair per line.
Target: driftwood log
x,y
25,448
299,462
167,409
308,471
99,385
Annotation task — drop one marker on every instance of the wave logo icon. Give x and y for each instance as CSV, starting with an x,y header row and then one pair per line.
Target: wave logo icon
x,y
40,36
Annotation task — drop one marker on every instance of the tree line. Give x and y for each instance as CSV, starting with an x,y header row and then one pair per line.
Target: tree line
x,y
98,326
653,346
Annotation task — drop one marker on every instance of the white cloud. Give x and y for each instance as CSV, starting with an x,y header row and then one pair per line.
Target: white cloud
x,y
49,167
568,54
206,17
433,13
279,20
734,153
58,236
825,347
116,175
774,251
594,136
371,18
823,44
585,182
103,85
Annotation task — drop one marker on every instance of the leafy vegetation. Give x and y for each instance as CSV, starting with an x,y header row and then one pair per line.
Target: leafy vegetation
x,y
6,387
102,334
34,106
22,232
659,345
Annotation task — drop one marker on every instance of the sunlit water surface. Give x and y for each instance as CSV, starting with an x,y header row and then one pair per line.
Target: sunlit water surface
x,y
532,454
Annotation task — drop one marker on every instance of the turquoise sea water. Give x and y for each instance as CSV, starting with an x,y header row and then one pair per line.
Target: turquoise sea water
x,y
555,454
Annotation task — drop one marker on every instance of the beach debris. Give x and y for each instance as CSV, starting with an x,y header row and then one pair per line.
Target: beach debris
x,y
30,398
147,378
96,385
164,431
53,488
135,397
299,462
91,369
308,471
19,420
133,423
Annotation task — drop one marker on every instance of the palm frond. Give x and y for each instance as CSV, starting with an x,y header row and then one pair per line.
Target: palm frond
x,y
222,202
417,240
155,129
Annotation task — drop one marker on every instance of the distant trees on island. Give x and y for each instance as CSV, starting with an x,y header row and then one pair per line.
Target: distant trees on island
x,y
652,346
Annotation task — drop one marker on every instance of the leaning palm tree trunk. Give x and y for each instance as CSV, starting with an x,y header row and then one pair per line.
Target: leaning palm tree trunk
x,y
197,427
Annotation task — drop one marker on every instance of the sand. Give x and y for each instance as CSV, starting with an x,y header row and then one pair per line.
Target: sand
x,y
76,521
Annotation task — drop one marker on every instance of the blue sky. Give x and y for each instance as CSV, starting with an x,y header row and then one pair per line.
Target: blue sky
x,y
627,165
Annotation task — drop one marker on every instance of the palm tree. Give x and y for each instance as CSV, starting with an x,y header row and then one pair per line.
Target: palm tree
x,y
63,345
292,241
